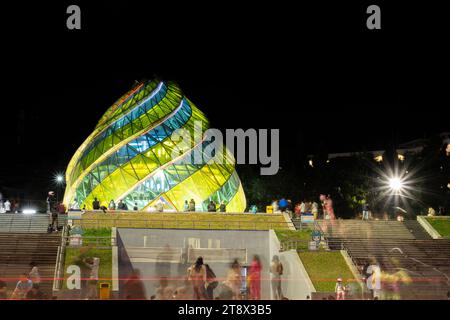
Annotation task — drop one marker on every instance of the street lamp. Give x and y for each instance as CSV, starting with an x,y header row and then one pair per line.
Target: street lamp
x,y
59,179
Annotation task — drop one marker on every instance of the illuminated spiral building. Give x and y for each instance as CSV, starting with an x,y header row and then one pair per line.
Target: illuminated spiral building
x,y
129,156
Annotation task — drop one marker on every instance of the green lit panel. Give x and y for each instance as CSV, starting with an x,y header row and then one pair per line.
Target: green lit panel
x,y
131,155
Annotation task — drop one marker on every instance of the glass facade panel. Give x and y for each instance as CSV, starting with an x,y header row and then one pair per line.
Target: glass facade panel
x,y
129,156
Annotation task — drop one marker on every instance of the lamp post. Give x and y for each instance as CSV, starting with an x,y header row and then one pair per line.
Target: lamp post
x,y
59,179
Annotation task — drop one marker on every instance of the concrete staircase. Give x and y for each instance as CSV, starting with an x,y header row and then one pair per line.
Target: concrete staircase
x,y
17,250
397,247
427,262
358,229
417,230
20,223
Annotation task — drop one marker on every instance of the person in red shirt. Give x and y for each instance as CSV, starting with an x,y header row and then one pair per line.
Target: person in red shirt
x,y
255,278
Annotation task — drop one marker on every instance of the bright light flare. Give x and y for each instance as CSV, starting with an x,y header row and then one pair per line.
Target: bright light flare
x,y
29,211
59,178
395,184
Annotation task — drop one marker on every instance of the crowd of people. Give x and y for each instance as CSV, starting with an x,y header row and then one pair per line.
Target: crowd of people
x,y
310,207
7,206
201,283
27,286
189,206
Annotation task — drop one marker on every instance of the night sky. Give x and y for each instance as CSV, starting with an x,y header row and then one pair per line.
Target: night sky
x,y
314,71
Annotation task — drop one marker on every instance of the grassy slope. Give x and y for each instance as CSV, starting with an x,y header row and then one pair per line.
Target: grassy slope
x,y
74,255
184,220
441,225
302,236
324,267
105,255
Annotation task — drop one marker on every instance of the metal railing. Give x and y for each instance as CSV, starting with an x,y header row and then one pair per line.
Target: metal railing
x,y
303,245
91,241
60,259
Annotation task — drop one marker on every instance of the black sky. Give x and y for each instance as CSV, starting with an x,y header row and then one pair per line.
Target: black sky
x,y
313,70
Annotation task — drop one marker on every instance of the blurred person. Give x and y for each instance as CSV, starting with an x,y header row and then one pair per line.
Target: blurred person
x,y
315,210
211,282
184,291
212,206
197,276
2,207
96,204
225,292
112,205
255,278
329,207
51,201
168,293
234,280
303,207
164,291
159,205
133,288
15,207
297,210
61,208
339,288
7,206
308,207
52,211
34,273
135,208
274,206
122,206
365,211
186,206
289,207
223,206
392,282
3,290
35,293
192,205
93,264
276,271
22,287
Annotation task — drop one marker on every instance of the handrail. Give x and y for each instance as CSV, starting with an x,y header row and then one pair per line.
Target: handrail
x,y
98,241
59,260
56,272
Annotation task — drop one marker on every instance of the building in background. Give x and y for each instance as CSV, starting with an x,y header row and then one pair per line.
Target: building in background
x,y
403,150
